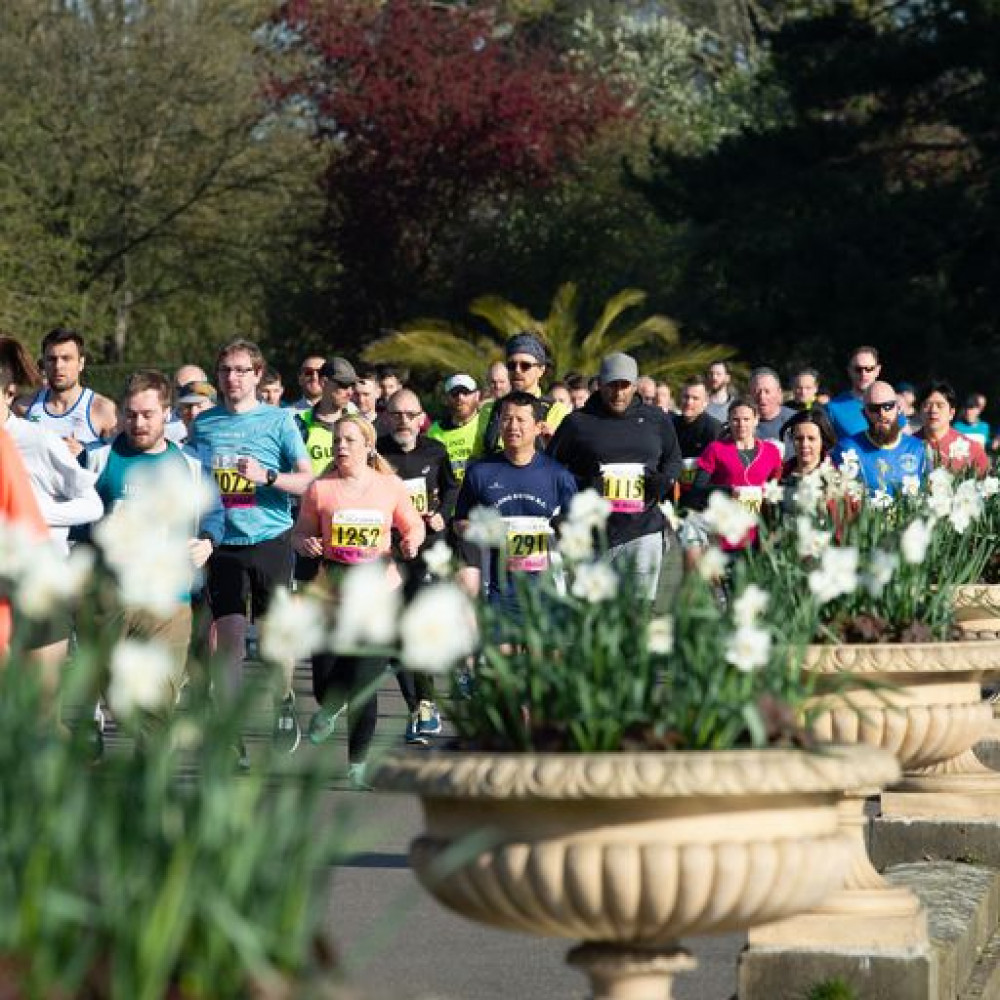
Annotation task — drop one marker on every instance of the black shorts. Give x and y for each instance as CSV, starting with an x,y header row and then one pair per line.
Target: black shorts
x,y
236,572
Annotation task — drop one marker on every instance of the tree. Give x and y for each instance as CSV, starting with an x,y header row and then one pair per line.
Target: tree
x,y
440,346
431,116
148,191
869,212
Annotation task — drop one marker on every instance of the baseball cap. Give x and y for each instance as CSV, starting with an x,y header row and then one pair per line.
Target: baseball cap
x,y
619,368
340,370
197,392
460,381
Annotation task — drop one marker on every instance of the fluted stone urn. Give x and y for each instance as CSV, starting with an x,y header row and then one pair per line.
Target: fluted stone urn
x,y
977,610
630,852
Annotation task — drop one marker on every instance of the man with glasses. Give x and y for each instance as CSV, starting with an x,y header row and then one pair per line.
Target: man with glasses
x,y
845,410
527,359
310,382
460,430
885,459
258,459
424,466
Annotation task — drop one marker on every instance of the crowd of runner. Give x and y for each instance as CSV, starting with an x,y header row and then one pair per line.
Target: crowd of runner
x,y
357,470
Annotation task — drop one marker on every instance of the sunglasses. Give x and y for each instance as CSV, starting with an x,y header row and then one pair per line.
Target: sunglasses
x,y
883,407
864,369
461,392
310,371
522,366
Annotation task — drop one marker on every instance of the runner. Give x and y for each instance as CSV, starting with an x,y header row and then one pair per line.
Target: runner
x,y
579,390
126,470
192,399
627,450
177,429
346,518
721,394
527,360
271,388
887,460
765,387
970,419
424,466
527,487
258,458
77,414
497,381
805,386
461,429
310,382
947,447
846,410
695,427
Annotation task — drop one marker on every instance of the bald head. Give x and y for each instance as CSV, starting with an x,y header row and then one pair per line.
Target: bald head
x,y
882,413
405,414
189,373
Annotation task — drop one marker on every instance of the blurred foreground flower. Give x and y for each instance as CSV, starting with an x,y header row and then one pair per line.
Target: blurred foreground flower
x,y
140,677
294,627
438,629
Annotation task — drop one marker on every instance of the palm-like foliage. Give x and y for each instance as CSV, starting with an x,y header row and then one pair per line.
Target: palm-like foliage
x,y
655,340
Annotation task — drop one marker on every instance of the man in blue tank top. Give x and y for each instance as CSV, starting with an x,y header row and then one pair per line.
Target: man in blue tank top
x,y
77,414
258,459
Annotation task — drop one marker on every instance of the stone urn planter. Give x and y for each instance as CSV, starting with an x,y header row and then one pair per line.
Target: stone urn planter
x,y
629,852
977,610
921,701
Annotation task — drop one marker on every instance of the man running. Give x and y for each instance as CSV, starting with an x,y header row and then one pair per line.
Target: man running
x,y
846,409
424,466
947,447
177,429
695,428
310,382
765,387
627,451
259,459
720,390
77,414
461,429
887,460
527,487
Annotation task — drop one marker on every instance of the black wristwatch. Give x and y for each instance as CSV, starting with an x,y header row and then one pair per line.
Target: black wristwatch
x,y
271,477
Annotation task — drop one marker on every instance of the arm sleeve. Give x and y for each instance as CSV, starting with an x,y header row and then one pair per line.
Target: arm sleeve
x,y
213,520
670,463
293,448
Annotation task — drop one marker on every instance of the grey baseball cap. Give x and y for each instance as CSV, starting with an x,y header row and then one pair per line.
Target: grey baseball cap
x,y
619,368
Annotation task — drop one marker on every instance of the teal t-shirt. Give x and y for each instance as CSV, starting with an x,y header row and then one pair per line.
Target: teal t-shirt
x,y
254,513
125,469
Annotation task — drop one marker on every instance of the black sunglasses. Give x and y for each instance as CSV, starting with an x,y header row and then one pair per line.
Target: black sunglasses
x,y
884,407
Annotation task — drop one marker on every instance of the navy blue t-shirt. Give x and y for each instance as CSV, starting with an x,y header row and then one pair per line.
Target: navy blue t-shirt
x,y
541,489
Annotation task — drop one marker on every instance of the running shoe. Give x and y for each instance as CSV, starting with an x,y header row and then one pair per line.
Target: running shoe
x,y
356,778
429,722
287,734
323,724
413,734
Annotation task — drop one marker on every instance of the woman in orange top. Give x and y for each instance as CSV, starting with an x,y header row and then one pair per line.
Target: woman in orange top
x,y
17,506
347,517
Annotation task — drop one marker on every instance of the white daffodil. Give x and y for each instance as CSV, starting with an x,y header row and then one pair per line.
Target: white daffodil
x,y
850,464
293,629
712,564
836,575
880,571
940,482
749,648
939,504
368,610
989,487
728,519
881,500
438,629
966,507
594,582
154,573
51,580
809,492
576,541
810,542
914,541
487,528
910,486
660,638
589,508
959,449
17,550
749,605
438,559
140,677
774,492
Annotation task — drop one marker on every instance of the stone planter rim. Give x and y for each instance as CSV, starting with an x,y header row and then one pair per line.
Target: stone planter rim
x,y
946,656
632,776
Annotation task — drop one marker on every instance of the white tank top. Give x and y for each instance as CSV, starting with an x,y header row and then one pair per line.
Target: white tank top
x,y
75,422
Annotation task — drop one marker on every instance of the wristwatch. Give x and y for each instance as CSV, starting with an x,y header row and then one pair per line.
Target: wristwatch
x,y
271,477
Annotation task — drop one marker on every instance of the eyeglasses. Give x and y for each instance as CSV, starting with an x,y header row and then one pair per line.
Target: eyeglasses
x,y
311,371
405,414
864,369
225,370
460,391
881,407
522,366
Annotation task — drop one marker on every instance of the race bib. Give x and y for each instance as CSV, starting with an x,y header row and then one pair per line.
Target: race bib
x,y
527,544
689,469
417,488
236,490
355,535
624,486
751,497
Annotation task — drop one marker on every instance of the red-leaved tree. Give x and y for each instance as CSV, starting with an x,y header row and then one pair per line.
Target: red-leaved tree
x,y
432,114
